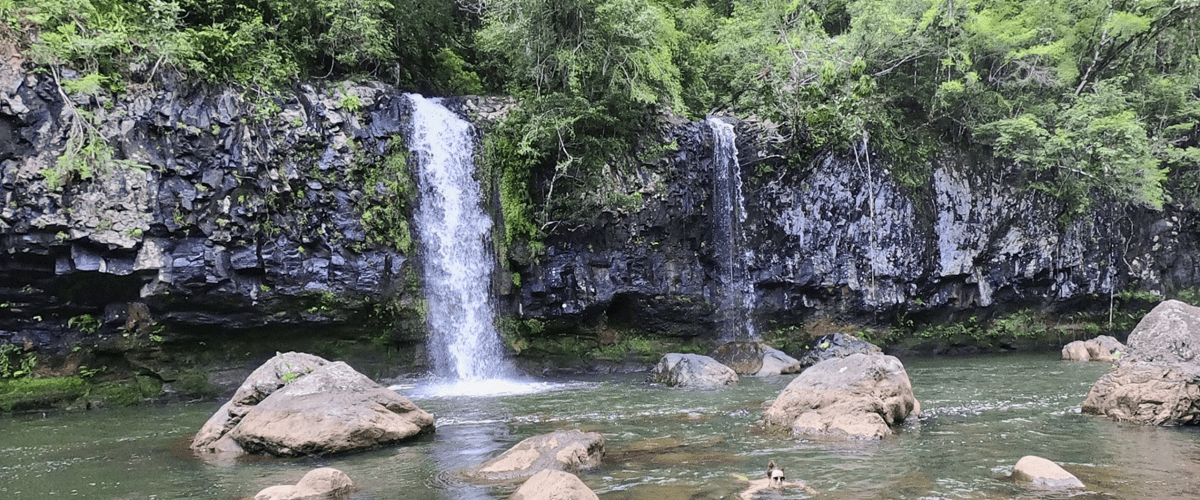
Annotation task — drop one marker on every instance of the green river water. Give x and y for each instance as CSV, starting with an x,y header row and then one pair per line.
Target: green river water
x,y
981,414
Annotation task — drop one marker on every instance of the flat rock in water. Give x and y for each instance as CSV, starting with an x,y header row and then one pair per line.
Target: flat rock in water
x,y
560,450
323,483
859,396
1155,381
554,485
1041,473
299,404
692,371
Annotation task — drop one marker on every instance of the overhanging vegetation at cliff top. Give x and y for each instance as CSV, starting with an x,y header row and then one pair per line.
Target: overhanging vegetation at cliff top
x,y
1087,98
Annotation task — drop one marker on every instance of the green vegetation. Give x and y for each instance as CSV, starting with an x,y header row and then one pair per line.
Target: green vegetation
x,y
1081,100
85,322
15,362
390,195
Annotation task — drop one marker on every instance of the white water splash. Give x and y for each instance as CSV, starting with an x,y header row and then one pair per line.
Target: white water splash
x,y
729,208
455,236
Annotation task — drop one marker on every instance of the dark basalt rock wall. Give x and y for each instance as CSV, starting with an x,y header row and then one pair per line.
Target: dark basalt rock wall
x,y
234,212
841,238
244,213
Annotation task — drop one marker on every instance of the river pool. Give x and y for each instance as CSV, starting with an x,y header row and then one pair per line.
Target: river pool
x,y
980,415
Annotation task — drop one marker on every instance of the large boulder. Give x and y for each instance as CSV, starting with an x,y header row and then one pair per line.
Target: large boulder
x,y
833,346
692,371
859,396
560,450
1102,348
554,485
318,484
755,358
298,404
1043,474
1155,381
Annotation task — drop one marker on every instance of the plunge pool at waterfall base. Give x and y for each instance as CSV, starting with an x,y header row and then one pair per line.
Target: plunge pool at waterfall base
x,y
980,415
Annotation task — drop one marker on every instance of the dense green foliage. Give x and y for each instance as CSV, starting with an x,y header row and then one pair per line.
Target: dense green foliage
x,y
1082,100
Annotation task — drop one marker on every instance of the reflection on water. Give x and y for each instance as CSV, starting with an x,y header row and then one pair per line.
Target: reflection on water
x,y
980,416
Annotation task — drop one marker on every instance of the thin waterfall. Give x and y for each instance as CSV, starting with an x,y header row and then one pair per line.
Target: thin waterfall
x,y
455,235
736,300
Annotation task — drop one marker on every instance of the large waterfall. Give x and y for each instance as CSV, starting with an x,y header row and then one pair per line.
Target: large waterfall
x,y
736,299
454,232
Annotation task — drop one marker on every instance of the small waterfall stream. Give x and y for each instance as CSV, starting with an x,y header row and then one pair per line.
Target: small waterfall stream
x,y
454,243
729,208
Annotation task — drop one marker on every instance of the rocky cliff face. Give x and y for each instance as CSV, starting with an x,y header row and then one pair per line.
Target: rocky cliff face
x,y
841,238
227,212
236,212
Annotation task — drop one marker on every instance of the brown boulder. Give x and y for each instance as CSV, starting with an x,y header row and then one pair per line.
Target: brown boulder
x,y
329,408
1102,348
559,450
1155,380
1147,393
553,485
858,396
318,484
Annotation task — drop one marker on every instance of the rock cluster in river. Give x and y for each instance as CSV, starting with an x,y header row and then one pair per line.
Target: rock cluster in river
x,y
755,359
1102,348
859,396
297,404
1157,380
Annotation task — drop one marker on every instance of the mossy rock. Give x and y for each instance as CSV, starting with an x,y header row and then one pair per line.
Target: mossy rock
x,y
25,394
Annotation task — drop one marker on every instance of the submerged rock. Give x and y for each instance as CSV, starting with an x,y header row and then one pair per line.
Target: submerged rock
x,y
1102,348
560,450
755,358
318,484
858,396
1156,381
299,404
835,345
554,485
1041,473
692,371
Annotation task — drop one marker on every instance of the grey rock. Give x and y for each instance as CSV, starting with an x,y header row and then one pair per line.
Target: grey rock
x,y
1043,474
1157,382
692,371
299,404
859,396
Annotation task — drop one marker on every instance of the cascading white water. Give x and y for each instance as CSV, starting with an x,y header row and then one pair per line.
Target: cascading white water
x,y
454,233
729,209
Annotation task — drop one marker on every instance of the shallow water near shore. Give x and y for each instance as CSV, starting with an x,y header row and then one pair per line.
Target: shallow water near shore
x,y
981,414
